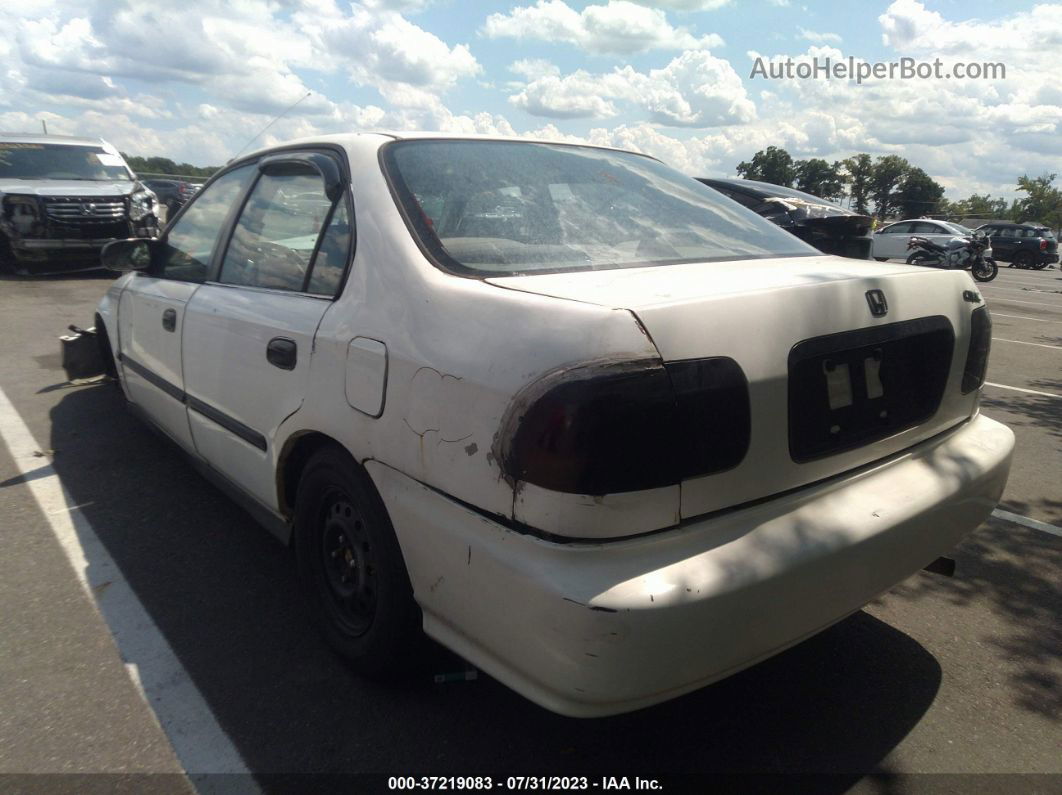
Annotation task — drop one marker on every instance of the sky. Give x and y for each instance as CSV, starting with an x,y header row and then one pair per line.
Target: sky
x,y
195,80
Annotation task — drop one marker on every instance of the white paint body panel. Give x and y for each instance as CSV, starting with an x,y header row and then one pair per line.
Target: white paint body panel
x,y
412,370
226,333
143,339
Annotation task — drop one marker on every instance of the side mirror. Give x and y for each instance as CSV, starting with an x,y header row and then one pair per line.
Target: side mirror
x,y
127,255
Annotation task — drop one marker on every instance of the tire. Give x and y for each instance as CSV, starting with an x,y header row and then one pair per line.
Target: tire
x,y
1024,260
988,273
106,353
1038,265
7,259
350,567
881,259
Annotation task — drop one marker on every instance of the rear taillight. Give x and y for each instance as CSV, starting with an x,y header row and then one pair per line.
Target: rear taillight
x,y
1043,245
973,374
608,427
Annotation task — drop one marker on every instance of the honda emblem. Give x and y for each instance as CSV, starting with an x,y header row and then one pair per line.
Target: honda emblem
x,y
879,307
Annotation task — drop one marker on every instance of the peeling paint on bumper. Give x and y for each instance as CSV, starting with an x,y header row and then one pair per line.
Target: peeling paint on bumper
x,y
597,629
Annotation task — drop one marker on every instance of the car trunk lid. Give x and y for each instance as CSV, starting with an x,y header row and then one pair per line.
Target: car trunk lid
x,y
815,356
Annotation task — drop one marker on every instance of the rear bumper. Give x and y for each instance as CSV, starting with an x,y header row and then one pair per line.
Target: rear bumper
x,y
592,630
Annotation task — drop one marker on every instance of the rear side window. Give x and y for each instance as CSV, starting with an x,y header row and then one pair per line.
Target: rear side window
x,y
483,208
275,238
191,241
923,228
330,263
898,229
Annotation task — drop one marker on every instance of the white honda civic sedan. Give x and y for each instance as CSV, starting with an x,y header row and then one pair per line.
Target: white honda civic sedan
x,y
603,432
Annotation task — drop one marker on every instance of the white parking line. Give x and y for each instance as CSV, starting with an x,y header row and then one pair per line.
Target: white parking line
x,y
1016,290
1025,521
1026,317
1021,389
1030,303
1020,342
201,745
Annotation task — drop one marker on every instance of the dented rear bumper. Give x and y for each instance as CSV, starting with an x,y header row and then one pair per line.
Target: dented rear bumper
x,y
596,629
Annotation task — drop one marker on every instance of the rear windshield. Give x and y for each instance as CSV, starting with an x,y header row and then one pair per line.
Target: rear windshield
x,y
61,161
485,208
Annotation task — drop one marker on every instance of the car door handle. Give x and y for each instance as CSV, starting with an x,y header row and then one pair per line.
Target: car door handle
x,y
282,352
169,319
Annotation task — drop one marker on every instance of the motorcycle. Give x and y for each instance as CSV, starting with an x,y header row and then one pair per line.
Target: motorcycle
x,y
958,253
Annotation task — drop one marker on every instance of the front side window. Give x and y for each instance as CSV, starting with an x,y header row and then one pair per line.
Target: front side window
x,y
190,242
485,208
273,243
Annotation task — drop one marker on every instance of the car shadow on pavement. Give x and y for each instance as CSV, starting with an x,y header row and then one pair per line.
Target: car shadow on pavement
x,y
223,594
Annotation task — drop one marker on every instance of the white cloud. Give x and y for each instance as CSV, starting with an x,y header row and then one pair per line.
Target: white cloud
x,y
695,89
532,68
819,38
617,27
381,48
687,5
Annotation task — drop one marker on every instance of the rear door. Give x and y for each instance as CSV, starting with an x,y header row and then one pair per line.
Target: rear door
x,y
891,242
151,311
250,328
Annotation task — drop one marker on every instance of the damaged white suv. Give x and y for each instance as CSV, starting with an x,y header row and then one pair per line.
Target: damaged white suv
x,y
603,432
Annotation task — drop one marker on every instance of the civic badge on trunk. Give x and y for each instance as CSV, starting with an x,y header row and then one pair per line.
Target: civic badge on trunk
x,y
879,307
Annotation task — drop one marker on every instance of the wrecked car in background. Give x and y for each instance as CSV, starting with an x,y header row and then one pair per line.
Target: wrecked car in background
x,y
602,432
827,226
62,199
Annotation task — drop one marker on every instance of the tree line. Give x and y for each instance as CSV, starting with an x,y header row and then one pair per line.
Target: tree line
x,y
895,187
163,165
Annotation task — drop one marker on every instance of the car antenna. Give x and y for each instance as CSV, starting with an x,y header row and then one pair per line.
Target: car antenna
x,y
275,120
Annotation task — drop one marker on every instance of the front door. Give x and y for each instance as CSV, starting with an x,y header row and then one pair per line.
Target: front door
x,y
249,332
151,311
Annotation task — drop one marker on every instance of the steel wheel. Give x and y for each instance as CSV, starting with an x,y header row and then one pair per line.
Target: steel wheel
x,y
351,570
348,565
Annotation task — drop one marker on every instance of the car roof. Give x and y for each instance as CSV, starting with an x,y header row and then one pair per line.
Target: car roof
x,y
761,189
40,138
1013,225
920,220
347,139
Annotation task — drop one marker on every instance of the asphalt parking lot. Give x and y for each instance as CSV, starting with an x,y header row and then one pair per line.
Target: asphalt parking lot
x,y
217,671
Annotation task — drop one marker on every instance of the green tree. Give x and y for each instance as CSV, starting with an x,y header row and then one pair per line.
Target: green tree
x,y
860,169
819,178
885,180
163,165
1043,204
983,206
772,164
919,193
